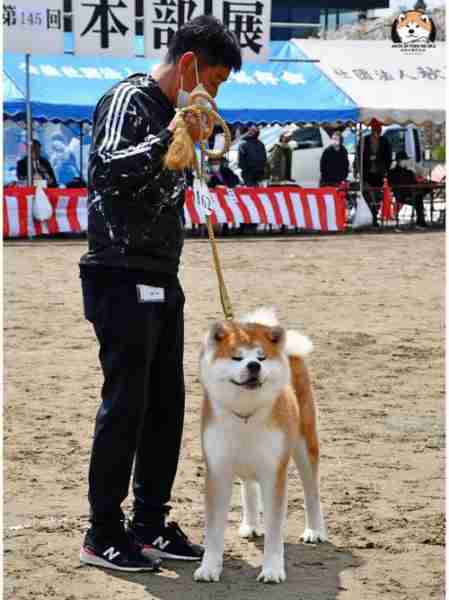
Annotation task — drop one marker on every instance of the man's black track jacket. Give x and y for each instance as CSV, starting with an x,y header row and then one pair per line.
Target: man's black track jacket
x,y
135,205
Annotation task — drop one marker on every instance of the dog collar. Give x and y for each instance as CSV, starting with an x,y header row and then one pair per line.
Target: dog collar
x,y
244,418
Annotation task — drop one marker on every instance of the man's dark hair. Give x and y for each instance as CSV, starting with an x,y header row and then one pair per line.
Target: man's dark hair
x,y
209,39
36,143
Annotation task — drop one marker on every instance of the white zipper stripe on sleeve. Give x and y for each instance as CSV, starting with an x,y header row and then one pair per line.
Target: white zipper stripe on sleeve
x,y
123,109
111,115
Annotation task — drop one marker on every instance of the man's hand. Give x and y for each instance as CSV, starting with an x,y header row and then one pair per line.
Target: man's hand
x,y
192,120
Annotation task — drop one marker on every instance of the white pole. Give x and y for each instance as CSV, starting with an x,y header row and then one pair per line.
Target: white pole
x,y
29,122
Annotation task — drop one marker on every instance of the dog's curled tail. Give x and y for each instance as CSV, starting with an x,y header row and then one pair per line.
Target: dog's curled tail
x,y
297,344
266,315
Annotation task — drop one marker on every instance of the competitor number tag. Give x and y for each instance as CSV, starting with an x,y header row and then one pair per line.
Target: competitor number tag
x,y
204,202
148,293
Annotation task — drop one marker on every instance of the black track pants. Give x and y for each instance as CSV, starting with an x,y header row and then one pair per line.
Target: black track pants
x,y
142,410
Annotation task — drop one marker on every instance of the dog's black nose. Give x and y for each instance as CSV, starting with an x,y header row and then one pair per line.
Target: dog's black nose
x,y
253,367
411,31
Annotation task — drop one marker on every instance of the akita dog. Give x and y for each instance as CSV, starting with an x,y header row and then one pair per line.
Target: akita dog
x,y
258,412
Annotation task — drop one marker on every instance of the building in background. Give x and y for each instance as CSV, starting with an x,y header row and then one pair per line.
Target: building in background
x,y
296,18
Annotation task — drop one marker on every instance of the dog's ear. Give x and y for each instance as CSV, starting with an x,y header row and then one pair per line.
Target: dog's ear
x,y
218,332
276,334
394,32
433,31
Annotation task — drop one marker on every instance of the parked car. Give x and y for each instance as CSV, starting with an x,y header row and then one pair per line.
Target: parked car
x,y
310,142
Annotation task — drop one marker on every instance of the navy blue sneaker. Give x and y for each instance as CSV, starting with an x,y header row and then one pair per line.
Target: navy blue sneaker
x,y
115,551
165,541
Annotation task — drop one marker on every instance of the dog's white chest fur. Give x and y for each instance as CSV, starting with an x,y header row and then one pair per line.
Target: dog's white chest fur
x,y
249,449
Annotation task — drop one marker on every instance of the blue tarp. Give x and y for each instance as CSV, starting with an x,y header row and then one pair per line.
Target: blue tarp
x,y
67,88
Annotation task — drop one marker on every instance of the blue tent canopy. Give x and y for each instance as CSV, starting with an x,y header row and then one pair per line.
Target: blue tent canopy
x,y
67,88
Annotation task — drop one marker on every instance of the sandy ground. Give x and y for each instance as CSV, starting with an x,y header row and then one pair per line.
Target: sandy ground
x,y
373,305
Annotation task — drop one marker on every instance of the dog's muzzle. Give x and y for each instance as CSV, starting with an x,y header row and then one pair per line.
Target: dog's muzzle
x,y
251,383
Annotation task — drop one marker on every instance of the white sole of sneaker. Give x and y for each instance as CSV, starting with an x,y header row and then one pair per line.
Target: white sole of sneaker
x,y
151,552
88,558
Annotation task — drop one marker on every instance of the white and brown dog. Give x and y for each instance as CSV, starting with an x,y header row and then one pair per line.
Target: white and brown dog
x,y
258,412
413,26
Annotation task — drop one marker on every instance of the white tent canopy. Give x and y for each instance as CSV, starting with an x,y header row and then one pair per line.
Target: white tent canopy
x,y
383,80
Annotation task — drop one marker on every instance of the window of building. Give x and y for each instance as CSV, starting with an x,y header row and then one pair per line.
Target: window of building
x,y
288,11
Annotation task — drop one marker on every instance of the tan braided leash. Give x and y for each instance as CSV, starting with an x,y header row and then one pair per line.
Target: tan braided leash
x,y
181,154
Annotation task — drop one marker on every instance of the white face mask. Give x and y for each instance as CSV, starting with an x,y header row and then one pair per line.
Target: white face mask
x,y
215,168
183,96
292,145
336,143
403,163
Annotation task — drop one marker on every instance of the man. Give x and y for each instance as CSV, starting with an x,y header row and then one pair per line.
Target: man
x,y
376,162
281,159
135,302
402,181
334,164
252,158
41,167
221,174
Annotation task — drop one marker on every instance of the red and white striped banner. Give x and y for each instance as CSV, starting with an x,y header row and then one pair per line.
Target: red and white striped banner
x,y
69,212
321,209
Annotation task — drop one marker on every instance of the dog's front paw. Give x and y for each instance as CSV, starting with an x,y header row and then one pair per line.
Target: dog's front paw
x,y
207,572
314,536
248,531
273,571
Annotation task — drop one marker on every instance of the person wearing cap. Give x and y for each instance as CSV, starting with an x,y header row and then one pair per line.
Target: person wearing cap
x,y
403,181
376,163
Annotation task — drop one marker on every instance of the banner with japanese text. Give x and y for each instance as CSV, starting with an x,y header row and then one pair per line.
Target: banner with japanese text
x,y
33,26
104,27
249,20
107,27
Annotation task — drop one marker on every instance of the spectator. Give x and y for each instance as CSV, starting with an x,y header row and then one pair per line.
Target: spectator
x,y
281,159
400,176
334,164
252,158
41,167
63,161
221,174
376,163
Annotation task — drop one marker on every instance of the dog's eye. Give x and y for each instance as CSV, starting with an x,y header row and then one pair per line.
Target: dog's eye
x,y
237,358
261,358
